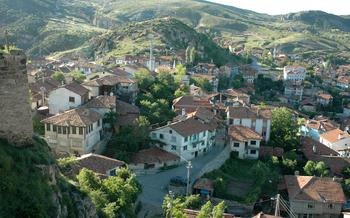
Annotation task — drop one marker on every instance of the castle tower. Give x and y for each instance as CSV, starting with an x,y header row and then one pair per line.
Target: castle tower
x,y
15,112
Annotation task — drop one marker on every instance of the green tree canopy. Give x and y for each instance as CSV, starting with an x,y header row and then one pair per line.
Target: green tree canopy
x,y
284,129
58,76
114,196
78,76
312,168
219,210
144,78
203,83
206,210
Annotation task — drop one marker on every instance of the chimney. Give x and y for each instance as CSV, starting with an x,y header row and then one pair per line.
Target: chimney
x,y
183,112
340,136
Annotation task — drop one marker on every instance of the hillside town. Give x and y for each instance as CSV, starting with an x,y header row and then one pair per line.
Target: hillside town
x,y
264,138
191,124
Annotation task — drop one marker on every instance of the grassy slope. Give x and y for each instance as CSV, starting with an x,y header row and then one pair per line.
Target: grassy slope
x,y
306,31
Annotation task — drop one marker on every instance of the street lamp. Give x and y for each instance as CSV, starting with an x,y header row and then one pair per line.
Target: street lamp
x,y
189,167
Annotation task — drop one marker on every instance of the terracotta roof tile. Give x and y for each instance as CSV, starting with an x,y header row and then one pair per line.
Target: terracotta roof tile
x,y
77,88
80,117
334,135
102,101
153,155
192,126
309,188
242,133
246,112
98,163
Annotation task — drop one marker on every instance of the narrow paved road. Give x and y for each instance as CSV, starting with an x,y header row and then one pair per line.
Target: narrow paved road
x,y
154,186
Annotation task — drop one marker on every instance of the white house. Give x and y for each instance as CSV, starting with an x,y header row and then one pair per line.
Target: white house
x,y
67,97
324,99
188,137
245,141
77,131
256,118
337,140
294,73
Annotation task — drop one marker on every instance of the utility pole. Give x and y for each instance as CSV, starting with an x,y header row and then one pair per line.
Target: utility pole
x,y
189,167
7,46
277,207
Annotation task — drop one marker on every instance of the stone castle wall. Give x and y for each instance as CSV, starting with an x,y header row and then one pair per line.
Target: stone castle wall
x,y
15,112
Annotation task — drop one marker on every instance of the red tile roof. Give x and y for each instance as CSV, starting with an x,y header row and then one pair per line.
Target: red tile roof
x,y
250,113
153,155
192,126
80,117
98,163
309,188
204,183
242,134
335,135
77,88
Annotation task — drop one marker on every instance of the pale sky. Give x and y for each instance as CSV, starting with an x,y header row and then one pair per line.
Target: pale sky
x,y
275,7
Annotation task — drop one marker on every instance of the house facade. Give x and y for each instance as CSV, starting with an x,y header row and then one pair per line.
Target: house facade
x,y
67,97
187,138
324,99
294,73
311,196
244,141
314,128
337,140
77,131
254,118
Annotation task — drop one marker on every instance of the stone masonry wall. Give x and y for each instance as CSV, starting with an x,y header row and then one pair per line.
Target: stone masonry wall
x,y
15,112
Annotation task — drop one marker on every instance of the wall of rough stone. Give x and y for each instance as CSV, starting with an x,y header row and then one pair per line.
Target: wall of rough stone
x,y
15,112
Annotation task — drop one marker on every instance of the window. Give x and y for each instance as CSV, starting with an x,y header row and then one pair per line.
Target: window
x,y
173,147
59,130
185,148
194,145
246,143
202,143
92,127
161,136
204,133
81,130
252,151
54,128
170,131
310,206
72,99
231,121
186,139
48,127
173,138
74,130
330,206
253,142
64,130
99,123
236,145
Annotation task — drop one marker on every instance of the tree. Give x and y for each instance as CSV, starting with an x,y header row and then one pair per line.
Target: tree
x,y
182,91
78,76
144,79
224,82
219,210
238,81
312,168
205,210
180,72
110,118
284,129
58,76
174,207
203,83
114,196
